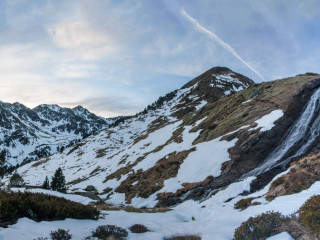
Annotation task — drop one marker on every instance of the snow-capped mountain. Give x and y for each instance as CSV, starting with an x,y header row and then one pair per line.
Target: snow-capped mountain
x,y
27,134
212,132
217,151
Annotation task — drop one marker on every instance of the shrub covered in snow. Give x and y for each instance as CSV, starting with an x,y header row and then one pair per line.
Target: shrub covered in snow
x,y
60,234
309,214
106,231
260,227
138,228
38,207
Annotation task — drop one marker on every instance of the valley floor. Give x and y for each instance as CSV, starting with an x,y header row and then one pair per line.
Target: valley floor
x,y
212,219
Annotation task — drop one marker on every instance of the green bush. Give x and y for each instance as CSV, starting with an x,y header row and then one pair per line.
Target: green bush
x,y
106,231
60,234
309,214
260,227
38,207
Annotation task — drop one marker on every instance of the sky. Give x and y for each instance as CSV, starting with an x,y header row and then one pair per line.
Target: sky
x,y
115,57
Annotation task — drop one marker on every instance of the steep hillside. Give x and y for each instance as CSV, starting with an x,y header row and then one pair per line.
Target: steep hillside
x,y
28,134
214,131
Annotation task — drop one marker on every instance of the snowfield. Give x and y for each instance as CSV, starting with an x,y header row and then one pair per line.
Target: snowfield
x,y
99,155
214,218
111,156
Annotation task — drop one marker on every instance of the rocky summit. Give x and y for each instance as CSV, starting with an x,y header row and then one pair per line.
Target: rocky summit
x,y
219,145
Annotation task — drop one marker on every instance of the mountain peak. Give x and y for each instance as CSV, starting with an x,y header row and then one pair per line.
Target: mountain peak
x,y
217,82
79,107
220,76
52,107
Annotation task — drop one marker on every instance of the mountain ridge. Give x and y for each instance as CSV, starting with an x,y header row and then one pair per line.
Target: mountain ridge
x,y
151,158
212,153
27,134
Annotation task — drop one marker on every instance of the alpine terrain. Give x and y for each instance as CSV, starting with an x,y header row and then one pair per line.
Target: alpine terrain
x,y
200,161
28,134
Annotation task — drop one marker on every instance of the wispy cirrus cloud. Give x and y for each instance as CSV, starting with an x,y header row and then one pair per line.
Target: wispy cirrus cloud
x,y
116,57
222,43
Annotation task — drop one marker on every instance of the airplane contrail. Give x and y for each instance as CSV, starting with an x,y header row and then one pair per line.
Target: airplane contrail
x,y
213,36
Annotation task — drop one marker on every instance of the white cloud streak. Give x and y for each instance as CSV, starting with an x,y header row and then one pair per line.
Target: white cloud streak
x,y
213,36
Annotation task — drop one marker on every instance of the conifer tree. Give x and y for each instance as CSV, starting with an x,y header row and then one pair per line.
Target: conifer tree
x,y
3,154
16,180
58,182
46,184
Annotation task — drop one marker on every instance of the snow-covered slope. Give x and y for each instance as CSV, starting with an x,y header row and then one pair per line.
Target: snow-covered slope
x,y
194,150
27,134
187,145
215,218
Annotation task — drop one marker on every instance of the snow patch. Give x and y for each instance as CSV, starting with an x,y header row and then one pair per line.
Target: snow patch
x,y
267,121
281,236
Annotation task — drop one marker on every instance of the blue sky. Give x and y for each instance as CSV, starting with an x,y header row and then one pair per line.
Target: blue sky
x,y
116,57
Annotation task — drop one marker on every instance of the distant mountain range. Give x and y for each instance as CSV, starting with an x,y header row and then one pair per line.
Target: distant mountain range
x,y
28,134
216,130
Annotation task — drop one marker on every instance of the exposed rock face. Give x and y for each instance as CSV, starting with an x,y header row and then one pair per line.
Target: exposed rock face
x,y
27,134
188,144
291,95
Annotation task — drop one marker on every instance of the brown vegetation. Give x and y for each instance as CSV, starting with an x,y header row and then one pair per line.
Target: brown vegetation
x,y
301,176
109,207
245,203
184,237
152,180
101,152
305,226
138,228
40,161
39,207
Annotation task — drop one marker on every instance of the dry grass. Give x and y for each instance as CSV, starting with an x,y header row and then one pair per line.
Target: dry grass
x,y
40,161
245,203
76,146
101,153
76,181
297,230
96,170
152,180
109,207
305,172
184,237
